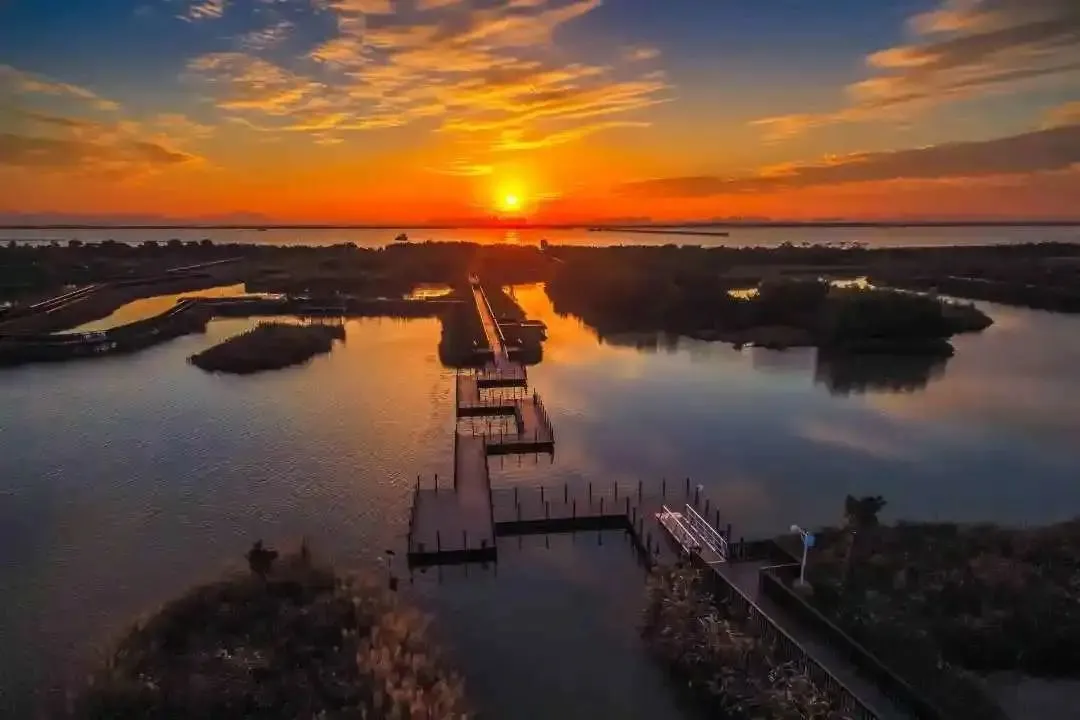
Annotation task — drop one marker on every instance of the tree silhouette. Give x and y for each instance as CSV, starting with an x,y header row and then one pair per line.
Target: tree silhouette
x,y
860,518
261,560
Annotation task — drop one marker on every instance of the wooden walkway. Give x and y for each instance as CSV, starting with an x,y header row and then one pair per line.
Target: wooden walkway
x,y
745,578
456,524
586,507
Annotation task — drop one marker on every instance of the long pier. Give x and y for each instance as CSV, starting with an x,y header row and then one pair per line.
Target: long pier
x,y
458,523
461,523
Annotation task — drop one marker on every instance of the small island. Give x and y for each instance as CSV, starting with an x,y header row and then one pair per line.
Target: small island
x,y
269,346
292,638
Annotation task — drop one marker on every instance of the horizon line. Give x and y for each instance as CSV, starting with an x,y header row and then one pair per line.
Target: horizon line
x,y
602,226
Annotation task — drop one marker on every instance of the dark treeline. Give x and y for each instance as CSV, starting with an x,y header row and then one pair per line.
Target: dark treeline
x,y
784,312
29,272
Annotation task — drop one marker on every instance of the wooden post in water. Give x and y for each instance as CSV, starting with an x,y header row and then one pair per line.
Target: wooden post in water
x,y
687,488
515,494
706,507
541,493
438,541
728,536
601,504
547,510
590,490
573,510
615,489
663,488
464,539
627,504
639,490
565,492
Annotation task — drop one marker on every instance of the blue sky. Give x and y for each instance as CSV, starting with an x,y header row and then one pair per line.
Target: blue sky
x,y
681,108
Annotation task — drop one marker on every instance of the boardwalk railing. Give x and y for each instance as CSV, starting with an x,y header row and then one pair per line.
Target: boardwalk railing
x,y
706,532
785,649
673,523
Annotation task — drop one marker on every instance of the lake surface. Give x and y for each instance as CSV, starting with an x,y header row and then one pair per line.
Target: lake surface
x,y
124,480
738,237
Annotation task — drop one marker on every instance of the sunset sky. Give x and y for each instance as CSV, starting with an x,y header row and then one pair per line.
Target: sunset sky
x,y
550,110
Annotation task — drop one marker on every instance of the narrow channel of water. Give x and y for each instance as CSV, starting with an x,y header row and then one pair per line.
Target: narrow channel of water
x,y
148,307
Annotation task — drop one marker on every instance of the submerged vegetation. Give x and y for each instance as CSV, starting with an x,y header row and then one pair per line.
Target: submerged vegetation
x,y
269,346
734,673
295,640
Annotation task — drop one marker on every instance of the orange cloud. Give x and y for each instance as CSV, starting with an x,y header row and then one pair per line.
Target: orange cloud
x,y
477,69
1049,150
1067,114
962,49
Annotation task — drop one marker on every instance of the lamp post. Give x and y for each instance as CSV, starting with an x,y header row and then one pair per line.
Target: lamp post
x,y
807,543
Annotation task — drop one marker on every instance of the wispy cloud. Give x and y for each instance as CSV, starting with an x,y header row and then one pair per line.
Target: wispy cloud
x,y
641,54
481,71
14,82
464,168
103,144
1046,150
266,37
1067,114
962,49
196,10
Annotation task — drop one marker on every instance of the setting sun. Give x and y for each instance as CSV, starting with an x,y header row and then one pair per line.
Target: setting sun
x,y
509,202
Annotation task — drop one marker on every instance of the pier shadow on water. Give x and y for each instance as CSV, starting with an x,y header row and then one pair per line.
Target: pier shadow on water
x,y
551,631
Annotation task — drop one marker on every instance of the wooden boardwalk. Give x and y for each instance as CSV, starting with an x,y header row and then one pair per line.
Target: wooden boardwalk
x,y
456,524
635,509
461,524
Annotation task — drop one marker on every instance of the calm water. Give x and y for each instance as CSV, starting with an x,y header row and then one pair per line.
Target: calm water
x,y
125,480
880,237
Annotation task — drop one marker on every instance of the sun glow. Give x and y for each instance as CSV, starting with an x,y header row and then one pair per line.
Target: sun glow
x,y
509,199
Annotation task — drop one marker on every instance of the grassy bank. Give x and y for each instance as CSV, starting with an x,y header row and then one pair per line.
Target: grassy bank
x,y
734,674
299,642
269,346
983,597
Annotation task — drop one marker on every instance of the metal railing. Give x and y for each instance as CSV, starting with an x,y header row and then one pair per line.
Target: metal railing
x,y
673,523
785,649
709,535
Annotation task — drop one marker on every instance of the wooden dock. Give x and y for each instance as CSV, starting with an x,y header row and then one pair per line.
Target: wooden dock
x,y
456,524
442,532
